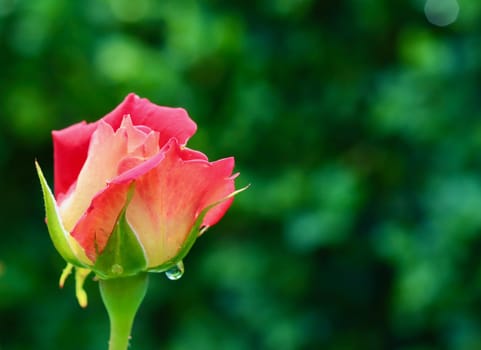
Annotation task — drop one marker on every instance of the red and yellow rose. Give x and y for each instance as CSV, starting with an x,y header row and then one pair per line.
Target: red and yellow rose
x,y
129,195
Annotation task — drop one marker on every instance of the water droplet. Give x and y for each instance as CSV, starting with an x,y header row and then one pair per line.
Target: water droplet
x,y
175,272
117,269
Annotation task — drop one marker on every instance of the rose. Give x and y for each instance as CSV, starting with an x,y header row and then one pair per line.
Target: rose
x,y
129,196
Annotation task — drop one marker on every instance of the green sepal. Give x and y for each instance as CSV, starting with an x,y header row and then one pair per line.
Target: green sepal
x,y
80,276
195,232
58,234
65,273
123,255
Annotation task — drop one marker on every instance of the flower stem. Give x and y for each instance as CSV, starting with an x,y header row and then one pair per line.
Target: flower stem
x,y
122,298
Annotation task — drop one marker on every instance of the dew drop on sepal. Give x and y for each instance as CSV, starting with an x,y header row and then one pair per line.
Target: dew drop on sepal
x,y
175,272
117,269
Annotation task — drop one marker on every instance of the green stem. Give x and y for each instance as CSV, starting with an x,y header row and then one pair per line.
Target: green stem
x,y
122,298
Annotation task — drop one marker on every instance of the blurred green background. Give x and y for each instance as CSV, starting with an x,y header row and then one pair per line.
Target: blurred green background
x,y
358,124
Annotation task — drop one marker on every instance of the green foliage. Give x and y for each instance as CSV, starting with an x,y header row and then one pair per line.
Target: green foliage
x,y
358,124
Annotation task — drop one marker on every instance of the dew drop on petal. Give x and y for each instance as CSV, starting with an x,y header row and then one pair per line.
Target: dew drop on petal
x,y
175,272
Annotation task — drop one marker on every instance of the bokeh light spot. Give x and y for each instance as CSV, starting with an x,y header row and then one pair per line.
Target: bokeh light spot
x,y
6,7
130,11
441,12
119,59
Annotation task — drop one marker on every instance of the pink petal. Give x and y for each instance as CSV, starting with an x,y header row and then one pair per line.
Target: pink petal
x,y
70,152
94,228
109,153
139,155
106,150
135,135
71,144
171,194
169,122
225,166
140,169
190,154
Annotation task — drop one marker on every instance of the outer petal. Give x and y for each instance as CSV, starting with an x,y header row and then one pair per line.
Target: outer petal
x,y
169,122
105,152
169,197
94,228
216,213
70,152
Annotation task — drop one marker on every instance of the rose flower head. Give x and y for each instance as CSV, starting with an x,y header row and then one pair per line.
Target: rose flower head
x,y
129,195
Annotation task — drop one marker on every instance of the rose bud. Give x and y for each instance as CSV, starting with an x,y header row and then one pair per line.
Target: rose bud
x,y
129,196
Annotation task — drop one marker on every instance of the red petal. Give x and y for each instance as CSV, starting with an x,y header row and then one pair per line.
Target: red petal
x,y
190,154
225,167
71,144
70,152
94,228
169,122
171,194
